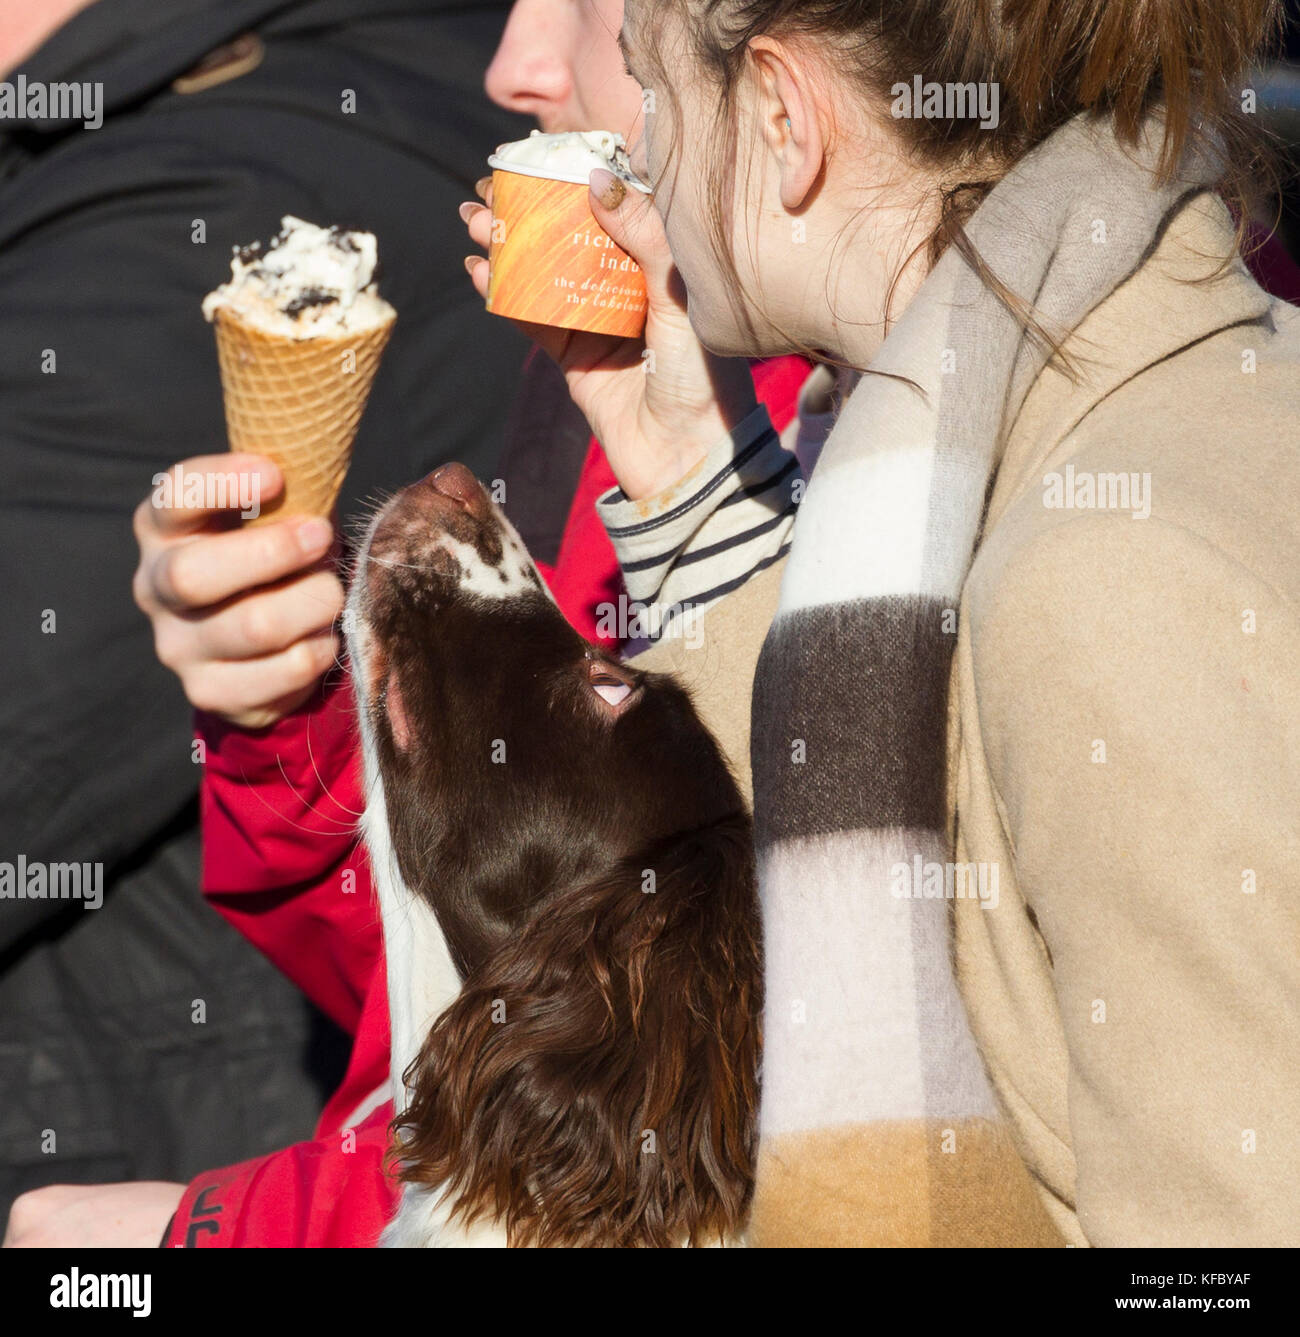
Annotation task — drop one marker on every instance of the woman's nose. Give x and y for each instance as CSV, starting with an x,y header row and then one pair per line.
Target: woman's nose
x,y
532,71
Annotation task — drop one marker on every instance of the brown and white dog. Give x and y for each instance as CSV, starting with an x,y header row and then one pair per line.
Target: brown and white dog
x,y
565,874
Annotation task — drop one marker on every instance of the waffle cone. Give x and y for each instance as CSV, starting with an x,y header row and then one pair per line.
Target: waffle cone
x,y
298,401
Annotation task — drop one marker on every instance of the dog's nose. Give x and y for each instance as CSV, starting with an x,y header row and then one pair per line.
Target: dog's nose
x,y
454,481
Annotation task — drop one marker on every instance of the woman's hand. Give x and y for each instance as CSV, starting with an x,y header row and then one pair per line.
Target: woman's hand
x,y
244,617
656,404
89,1216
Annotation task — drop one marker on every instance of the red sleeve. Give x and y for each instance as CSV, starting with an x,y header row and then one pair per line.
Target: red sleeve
x,y
330,1193
281,859
777,382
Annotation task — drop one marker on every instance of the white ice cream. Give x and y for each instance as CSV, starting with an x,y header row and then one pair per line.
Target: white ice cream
x,y
568,157
309,282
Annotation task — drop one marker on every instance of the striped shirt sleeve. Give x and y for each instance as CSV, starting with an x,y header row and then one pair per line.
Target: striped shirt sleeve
x,y
729,518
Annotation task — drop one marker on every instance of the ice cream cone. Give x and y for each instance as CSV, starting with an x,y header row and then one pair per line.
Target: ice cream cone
x,y
298,401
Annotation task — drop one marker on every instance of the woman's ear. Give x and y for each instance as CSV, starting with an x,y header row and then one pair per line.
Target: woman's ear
x,y
789,117
596,1082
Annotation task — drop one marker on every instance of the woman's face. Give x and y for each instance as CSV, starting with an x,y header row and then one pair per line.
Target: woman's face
x,y
559,62
682,190
826,229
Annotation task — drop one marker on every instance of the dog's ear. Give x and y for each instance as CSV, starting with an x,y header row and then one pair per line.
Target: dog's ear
x,y
596,1081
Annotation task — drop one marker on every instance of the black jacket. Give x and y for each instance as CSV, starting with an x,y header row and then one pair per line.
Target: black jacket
x,y
109,239
98,266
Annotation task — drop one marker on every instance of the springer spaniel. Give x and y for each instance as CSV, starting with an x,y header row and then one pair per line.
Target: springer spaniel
x,y
565,874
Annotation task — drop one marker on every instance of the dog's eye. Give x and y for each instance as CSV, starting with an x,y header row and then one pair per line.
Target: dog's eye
x,y
611,690
617,689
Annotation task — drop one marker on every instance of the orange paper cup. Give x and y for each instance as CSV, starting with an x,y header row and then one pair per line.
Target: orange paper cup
x,y
552,263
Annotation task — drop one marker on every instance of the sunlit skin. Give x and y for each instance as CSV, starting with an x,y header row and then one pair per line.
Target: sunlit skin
x,y
559,63
827,208
25,24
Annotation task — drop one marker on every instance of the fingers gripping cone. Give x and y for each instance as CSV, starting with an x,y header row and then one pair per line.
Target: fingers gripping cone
x,y
298,401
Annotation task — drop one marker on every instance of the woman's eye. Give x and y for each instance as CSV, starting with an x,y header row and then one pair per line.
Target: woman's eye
x,y
611,690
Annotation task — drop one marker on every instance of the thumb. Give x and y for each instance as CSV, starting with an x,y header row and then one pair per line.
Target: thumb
x,y
630,218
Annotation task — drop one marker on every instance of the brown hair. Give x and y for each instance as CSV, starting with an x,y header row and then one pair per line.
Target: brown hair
x,y
628,1013
1051,60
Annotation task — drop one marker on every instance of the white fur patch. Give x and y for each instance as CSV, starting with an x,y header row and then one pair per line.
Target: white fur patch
x,y
422,1222
422,980
484,579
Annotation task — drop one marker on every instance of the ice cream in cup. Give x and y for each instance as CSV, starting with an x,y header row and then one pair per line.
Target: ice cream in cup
x,y
550,261
300,331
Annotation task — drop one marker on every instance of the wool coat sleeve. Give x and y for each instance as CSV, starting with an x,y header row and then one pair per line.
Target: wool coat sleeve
x,y
1137,698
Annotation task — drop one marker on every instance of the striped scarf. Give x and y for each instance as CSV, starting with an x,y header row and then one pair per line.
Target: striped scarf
x,y
878,1123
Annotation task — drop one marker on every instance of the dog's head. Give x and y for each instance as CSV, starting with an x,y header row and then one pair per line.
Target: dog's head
x,y
574,828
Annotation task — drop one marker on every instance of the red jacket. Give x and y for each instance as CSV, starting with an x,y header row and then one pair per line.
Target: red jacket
x,y
282,863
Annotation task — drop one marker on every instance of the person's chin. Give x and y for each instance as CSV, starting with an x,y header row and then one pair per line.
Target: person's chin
x,y
717,328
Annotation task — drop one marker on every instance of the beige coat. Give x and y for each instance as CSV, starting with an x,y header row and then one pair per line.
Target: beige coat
x,y
1124,751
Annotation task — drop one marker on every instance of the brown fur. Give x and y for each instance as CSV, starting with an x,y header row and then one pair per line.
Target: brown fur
x,y
596,1080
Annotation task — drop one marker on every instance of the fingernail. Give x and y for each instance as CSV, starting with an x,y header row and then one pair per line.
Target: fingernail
x,y
481,185
470,262
314,534
608,188
468,210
